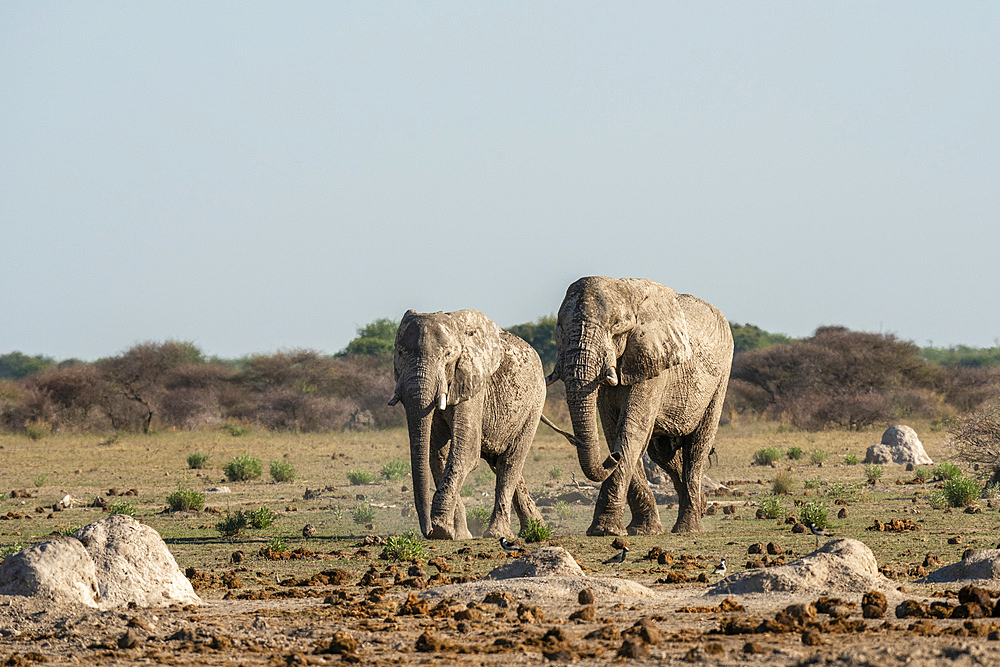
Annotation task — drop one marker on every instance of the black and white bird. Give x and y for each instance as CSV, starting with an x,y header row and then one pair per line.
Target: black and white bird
x,y
721,569
510,547
818,532
618,558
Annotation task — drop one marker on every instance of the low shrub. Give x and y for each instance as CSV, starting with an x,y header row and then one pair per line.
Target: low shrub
x,y
395,469
122,507
947,471
276,545
197,460
185,500
243,468
795,453
813,483
232,525
818,456
363,514
962,491
564,510
260,517
478,519
360,477
815,511
852,460
535,531
468,490
873,472
235,430
772,508
556,472
921,474
766,456
283,471
784,484
36,429
404,547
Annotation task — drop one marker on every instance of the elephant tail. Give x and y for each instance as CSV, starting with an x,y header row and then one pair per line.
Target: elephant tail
x,y
569,436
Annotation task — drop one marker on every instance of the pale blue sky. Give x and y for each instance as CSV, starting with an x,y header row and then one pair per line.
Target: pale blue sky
x,y
262,176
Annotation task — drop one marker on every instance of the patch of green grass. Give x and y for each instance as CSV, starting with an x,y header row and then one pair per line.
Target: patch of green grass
x,y
360,477
277,545
40,479
555,472
283,471
183,500
535,531
766,456
404,547
197,460
243,468
395,469
468,490
564,510
813,484
921,474
852,460
37,429
795,453
10,549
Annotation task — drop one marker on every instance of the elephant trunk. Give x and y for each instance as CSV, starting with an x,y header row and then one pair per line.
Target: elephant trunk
x,y
418,420
583,412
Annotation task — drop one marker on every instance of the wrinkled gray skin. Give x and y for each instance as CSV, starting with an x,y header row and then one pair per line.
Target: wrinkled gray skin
x,y
470,390
655,364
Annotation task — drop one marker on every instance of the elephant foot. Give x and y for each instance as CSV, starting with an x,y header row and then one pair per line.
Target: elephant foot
x,y
441,532
646,526
687,524
498,531
601,529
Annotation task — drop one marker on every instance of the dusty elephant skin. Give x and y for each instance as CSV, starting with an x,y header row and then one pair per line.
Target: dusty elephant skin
x,y
655,364
470,389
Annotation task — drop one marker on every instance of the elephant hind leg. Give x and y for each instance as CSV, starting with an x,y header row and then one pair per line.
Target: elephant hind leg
x,y
524,506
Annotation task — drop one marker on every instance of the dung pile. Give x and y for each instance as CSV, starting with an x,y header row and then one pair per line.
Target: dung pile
x,y
843,565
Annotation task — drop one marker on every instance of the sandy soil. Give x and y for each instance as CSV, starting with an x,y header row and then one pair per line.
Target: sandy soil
x,y
518,621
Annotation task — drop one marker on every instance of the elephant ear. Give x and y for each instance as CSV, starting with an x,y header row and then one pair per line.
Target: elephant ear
x,y
480,357
403,332
660,337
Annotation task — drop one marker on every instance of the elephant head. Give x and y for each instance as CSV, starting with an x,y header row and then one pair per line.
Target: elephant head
x,y
614,332
440,360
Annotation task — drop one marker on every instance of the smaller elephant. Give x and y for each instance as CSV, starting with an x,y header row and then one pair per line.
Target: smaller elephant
x,y
470,390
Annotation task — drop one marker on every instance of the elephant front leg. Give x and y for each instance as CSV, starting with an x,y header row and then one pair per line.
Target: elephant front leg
x,y
642,504
448,520
609,511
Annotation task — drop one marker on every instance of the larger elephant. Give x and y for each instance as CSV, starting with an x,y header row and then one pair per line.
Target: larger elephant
x,y
470,390
655,365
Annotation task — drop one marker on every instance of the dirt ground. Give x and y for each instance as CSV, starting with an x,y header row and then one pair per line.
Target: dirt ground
x,y
328,619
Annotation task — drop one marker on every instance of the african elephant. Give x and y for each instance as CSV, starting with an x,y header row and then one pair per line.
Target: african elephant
x,y
655,364
470,389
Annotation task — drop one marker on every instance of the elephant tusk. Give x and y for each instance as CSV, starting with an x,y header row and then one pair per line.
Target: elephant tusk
x,y
394,399
442,401
551,378
611,376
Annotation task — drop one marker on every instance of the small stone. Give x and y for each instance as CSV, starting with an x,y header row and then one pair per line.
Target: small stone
x,y
586,596
308,530
130,639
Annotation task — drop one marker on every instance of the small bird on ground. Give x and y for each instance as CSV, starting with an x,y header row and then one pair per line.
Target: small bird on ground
x,y
510,547
721,569
817,531
618,558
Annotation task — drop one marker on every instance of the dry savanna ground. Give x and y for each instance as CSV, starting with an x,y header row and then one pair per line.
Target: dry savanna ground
x,y
276,596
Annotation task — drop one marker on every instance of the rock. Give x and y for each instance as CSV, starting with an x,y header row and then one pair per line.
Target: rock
x,y
900,445
586,596
130,639
308,530
544,562
133,565
982,565
840,564
61,570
